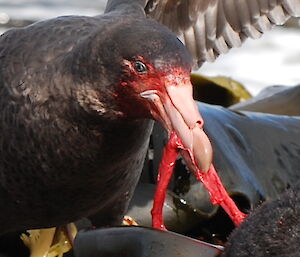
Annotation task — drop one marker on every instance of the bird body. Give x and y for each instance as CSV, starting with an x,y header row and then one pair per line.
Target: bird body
x,y
74,120
76,96
56,158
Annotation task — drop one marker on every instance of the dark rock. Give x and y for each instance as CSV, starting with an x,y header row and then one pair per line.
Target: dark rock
x,y
140,242
219,90
176,219
276,100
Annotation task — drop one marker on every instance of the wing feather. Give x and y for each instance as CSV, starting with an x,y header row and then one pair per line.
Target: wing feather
x,y
212,27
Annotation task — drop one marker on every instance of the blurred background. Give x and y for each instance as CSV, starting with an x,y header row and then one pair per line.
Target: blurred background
x,y
272,60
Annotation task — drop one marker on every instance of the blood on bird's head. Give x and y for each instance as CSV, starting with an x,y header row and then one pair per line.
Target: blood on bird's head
x,y
134,82
133,56
151,57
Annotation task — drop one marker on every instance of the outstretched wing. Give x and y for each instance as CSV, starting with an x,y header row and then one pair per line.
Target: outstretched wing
x,y
211,27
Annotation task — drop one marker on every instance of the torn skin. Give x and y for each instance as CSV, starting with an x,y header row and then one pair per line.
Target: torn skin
x,y
210,180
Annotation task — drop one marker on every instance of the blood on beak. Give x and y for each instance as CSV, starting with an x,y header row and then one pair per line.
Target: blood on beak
x,y
176,110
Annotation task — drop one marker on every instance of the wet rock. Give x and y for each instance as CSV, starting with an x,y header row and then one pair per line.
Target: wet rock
x,y
140,242
176,219
218,90
276,100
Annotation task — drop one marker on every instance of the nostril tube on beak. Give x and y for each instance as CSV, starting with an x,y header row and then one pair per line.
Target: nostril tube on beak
x,y
200,123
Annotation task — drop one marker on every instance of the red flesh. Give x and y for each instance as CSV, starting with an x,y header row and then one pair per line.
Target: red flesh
x,y
168,96
218,194
164,175
210,179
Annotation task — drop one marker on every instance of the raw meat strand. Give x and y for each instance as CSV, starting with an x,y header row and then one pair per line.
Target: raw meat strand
x,y
210,180
218,194
164,175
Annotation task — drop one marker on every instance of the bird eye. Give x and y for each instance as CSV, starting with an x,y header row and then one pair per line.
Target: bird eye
x,y
140,67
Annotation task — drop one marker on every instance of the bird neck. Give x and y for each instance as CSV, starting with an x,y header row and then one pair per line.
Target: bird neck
x,y
126,6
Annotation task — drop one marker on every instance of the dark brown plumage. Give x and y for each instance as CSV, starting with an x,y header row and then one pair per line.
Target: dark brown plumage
x,y
65,147
75,96
73,135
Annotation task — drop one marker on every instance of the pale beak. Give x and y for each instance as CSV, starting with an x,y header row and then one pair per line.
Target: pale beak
x,y
177,111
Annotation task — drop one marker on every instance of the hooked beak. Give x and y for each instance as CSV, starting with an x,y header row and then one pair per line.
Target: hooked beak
x,y
177,111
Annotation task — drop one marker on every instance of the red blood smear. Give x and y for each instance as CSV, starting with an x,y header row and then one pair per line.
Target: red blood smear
x,y
218,194
210,179
165,171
